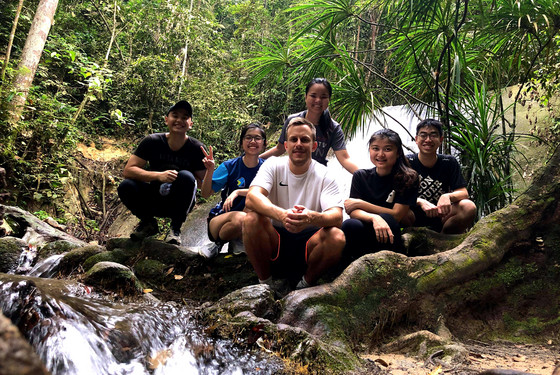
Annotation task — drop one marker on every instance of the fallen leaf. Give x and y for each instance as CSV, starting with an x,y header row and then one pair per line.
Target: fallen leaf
x,y
436,371
169,271
148,290
228,256
178,277
159,359
382,362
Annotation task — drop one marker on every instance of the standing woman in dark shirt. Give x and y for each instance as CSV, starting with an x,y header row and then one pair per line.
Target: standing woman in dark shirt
x,y
329,133
380,197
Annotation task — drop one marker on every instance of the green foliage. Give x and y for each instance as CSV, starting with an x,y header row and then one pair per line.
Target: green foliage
x,y
485,149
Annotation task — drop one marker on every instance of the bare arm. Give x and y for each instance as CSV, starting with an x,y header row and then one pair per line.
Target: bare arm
x,y
134,170
383,232
208,161
278,150
446,200
228,203
257,200
344,159
398,211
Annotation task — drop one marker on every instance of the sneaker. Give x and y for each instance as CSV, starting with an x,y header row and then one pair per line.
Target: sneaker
x,y
210,250
146,228
174,237
236,247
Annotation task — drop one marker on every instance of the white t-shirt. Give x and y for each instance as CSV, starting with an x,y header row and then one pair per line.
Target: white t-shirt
x,y
316,189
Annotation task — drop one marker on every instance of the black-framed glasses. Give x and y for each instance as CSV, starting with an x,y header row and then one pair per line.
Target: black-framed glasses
x,y
250,138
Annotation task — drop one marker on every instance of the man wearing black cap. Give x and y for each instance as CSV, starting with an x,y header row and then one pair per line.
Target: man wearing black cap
x,y
167,187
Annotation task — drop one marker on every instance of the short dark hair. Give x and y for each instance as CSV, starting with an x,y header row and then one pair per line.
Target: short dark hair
x,y
246,128
430,122
297,121
319,81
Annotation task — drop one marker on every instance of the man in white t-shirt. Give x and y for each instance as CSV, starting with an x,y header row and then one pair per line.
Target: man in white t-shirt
x,y
293,225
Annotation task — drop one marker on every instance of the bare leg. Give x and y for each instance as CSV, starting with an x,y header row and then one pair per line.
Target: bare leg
x,y
227,226
261,241
324,250
460,218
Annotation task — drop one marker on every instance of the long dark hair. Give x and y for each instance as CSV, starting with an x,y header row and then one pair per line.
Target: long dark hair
x,y
325,122
246,128
405,176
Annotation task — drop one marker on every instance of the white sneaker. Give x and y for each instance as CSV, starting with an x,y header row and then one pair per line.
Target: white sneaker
x,y
210,250
236,247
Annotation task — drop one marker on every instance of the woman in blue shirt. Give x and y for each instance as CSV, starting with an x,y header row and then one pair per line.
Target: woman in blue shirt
x,y
233,178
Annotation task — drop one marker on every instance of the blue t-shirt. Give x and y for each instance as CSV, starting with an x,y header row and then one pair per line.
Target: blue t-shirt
x,y
231,175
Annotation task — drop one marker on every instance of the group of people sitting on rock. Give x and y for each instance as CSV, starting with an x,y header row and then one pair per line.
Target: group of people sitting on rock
x,y
287,213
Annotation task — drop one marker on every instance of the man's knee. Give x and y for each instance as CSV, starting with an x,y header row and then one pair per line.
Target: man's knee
x,y
185,177
126,187
467,208
334,238
253,222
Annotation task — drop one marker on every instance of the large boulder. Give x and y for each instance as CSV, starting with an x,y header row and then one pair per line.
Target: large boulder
x,y
16,355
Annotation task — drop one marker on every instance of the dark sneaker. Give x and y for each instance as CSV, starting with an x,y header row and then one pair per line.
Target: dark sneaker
x,y
174,237
146,228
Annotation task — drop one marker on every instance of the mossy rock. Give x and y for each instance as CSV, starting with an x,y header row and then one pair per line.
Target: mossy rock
x,y
118,255
56,247
150,269
10,250
75,258
115,277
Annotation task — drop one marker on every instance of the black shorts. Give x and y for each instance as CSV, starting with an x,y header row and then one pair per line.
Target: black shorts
x,y
290,261
422,220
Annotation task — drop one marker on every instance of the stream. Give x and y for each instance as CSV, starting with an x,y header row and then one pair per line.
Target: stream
x,y
76,330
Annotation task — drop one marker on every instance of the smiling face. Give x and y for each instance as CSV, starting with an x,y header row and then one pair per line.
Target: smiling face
x,y
317,98
178,121
253,142
383,154
428,140
300,144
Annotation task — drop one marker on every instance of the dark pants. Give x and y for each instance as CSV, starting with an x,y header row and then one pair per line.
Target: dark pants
x,y
361,239
145,202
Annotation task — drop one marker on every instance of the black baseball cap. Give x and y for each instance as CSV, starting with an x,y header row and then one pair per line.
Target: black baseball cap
x,y
182,104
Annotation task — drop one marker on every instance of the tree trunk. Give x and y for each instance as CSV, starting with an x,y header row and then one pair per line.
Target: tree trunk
x,y
30,57
384,286
11,40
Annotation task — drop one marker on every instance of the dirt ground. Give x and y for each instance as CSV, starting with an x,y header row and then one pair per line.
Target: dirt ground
x,y
530,359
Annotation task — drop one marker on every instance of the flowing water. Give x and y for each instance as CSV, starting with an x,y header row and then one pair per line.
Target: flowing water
x,y
75,330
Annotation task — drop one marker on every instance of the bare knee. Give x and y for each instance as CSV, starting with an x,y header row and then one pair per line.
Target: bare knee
x,y
467,208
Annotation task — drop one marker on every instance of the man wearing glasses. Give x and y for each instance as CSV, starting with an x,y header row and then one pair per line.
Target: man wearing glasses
x,y
293,226
443,201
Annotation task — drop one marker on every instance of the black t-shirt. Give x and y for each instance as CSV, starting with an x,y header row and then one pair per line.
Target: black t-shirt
x,y
155,150
444,177
368,186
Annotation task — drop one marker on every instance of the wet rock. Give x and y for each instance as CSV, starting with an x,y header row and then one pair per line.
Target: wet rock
x,y
56,247
118,255
150,269
115,277
34,231
256,299
74,259
166,253
10,250
16,355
